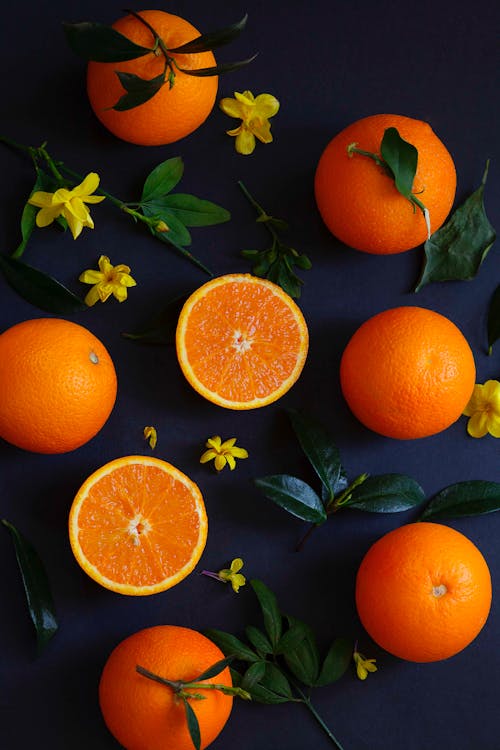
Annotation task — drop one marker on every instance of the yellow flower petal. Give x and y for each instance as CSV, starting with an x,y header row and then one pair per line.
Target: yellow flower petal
x,y
88,186
236,565
246,98
230,461
74,224
477,425
266,105
220,462
120,293
231,107
90,276
239,452
261,130
237,581
494,426
41,199
245,142
208,456
227,444
214,442
151,436
92,296
126,280
46,216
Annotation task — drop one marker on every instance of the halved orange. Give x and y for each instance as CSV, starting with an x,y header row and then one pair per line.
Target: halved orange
x,y
138,525
241,341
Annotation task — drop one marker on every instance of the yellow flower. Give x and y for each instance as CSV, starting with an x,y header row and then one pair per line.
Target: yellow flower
x,y
68,203
363,665
232,575
109,280
254,112
151,435
484,410
222,453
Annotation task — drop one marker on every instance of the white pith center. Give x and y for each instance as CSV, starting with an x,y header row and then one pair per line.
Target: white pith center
x,y
439,590
242,342
137,527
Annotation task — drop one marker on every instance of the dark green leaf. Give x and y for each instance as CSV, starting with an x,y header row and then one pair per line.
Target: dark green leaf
x,y
161,328
456,251
194,212
218,70
231,645
192,724
321,451
270,611
293,495
336,661
261,694
213,39
275,680
162,179
302,261
253,675
401,158
139,90
177,232
36,586
215,669
472,498
291,638
494,319
39,289
386,493
303,661
259,640
95,41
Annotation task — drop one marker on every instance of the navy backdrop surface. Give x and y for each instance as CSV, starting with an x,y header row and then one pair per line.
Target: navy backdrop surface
x,y
329,64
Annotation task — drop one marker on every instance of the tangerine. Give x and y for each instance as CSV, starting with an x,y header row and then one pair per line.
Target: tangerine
x,y
58,385
138,525
358,200
143,714
173,112
423,592
241,341
407,372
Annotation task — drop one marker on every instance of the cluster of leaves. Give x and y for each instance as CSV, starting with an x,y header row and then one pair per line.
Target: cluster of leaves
x,y
384,493
279,662
276,262
101,43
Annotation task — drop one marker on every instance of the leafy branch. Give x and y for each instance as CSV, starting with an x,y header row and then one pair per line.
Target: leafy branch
x,y
275,263
282,663
101,43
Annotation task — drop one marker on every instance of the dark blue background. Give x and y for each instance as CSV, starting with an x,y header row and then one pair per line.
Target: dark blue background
x,y
329,64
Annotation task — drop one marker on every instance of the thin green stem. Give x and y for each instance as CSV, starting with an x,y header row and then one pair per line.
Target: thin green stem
x,y
307,702
262,212
353,149
345,495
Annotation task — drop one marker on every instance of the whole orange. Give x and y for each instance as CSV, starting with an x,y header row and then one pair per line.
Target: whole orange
x,y
358,200
58,385
407,372
143,714
423,592
173,112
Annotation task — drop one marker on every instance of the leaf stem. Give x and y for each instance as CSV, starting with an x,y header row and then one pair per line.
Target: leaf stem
x,y
261,211
307,702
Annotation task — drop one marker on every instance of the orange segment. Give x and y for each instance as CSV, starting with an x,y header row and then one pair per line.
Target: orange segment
x,y
138,525
241,341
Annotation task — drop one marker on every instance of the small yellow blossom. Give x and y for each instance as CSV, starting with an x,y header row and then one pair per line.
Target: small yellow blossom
x,y
150,434
222,453
162,226
363,665
254,112
109,280
68,203
484,410
232,575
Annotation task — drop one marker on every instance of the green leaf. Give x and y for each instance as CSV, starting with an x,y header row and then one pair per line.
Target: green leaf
x,y
36,586
293,495
95,41
212,40
261,694
321,451
217,70
259,640
494,319
232,646
215,669
192,724
471,498
162,179
456,251
253,675
270,611
161,328
386,493
401,158
275,680
177,232
303,661
39,289
194,212
139,90
291,638
336,661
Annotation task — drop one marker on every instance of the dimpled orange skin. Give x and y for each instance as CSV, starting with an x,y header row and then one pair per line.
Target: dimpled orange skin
x,y
407,373
171,113
143,714
360,204
423,592
58,385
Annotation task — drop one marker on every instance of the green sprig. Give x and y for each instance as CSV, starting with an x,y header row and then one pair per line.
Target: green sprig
x,y
276,262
